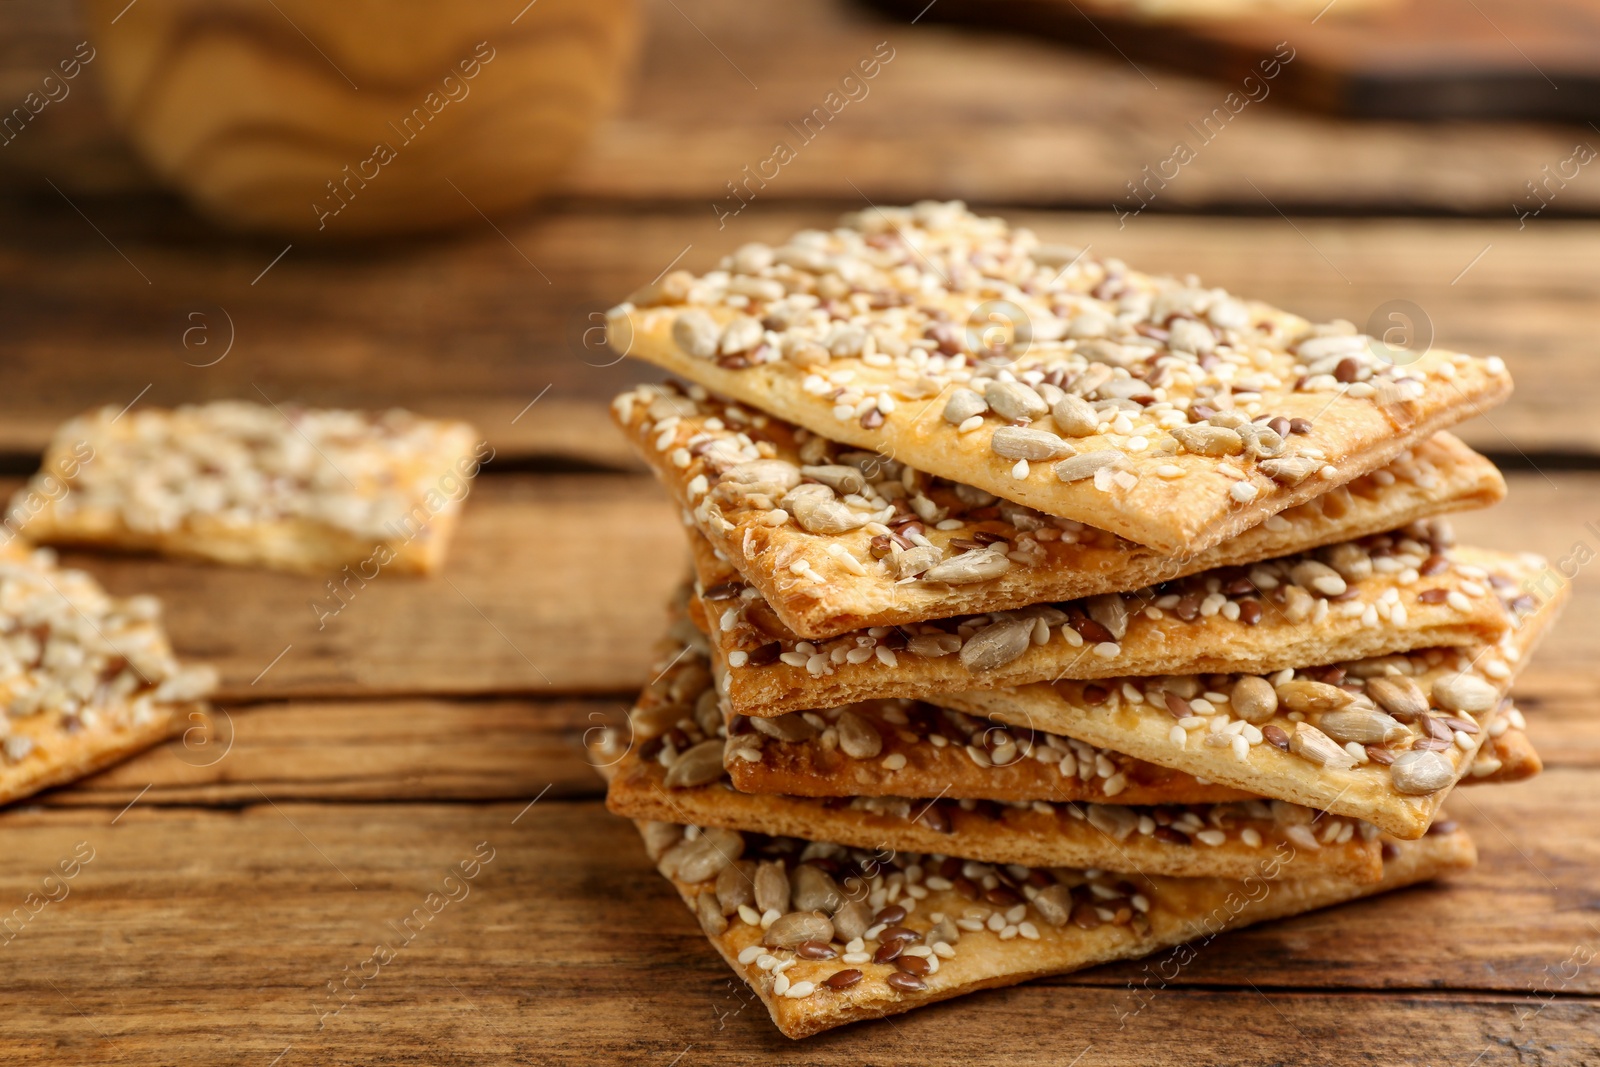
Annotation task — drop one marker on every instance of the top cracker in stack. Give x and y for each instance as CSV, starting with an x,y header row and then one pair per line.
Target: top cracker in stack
x,y
1170,415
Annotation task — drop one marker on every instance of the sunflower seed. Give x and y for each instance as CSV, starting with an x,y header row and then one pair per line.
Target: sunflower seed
x,y
1104,353
1317,577
818,511
791,727
1114,820
914,561
774,476
1399,696
1290,470
1110,611
1310,743
1304,695
712,918
1254,700
698,766
659,837
1418,772
945,930
704,857
1465,692
1262,442
998,644
962,405
741,335
859,738
1349,559
1125,392
812,889
839,478
1018,442
708,711
1054,903
733,886
1363,725
1207,440
696,333
976,566
852,920
1074,416
1013,400
772,887
932,646
797,926
1089,382
1189,335
1086,464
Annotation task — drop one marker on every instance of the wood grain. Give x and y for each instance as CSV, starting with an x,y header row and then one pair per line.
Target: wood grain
x,y
568,939
553,585
1071,127
468,328
1414,60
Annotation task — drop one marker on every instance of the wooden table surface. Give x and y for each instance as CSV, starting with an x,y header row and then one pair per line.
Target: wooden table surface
x,y
237,873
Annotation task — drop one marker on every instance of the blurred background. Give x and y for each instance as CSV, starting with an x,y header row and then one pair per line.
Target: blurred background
x,y
372,203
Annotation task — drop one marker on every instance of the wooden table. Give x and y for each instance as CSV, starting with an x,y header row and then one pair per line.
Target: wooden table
x,y
240,871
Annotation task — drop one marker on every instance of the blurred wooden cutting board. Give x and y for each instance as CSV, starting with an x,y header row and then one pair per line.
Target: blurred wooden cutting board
x,y
1411,59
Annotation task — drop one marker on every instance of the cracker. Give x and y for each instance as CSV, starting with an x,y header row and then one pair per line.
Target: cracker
x,y
669,767
913,749
1044,922
930,335
1170,721
1507,755
87,679
1401,592
293,489
870,565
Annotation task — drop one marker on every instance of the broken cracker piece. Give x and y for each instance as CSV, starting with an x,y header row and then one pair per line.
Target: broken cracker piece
x,y
290,488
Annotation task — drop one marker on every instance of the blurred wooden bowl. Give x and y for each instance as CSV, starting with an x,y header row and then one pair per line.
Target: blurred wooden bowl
x,y
353,118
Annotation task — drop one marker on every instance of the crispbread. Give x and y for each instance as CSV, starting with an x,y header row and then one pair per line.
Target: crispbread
x,y
912,749
1508,755
768,671
922,750
668,767
299,490
87,679
1100,918
874,333
728,468
1139,717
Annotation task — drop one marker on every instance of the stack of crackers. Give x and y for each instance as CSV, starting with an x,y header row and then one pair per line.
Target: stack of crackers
x,y
1045,612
